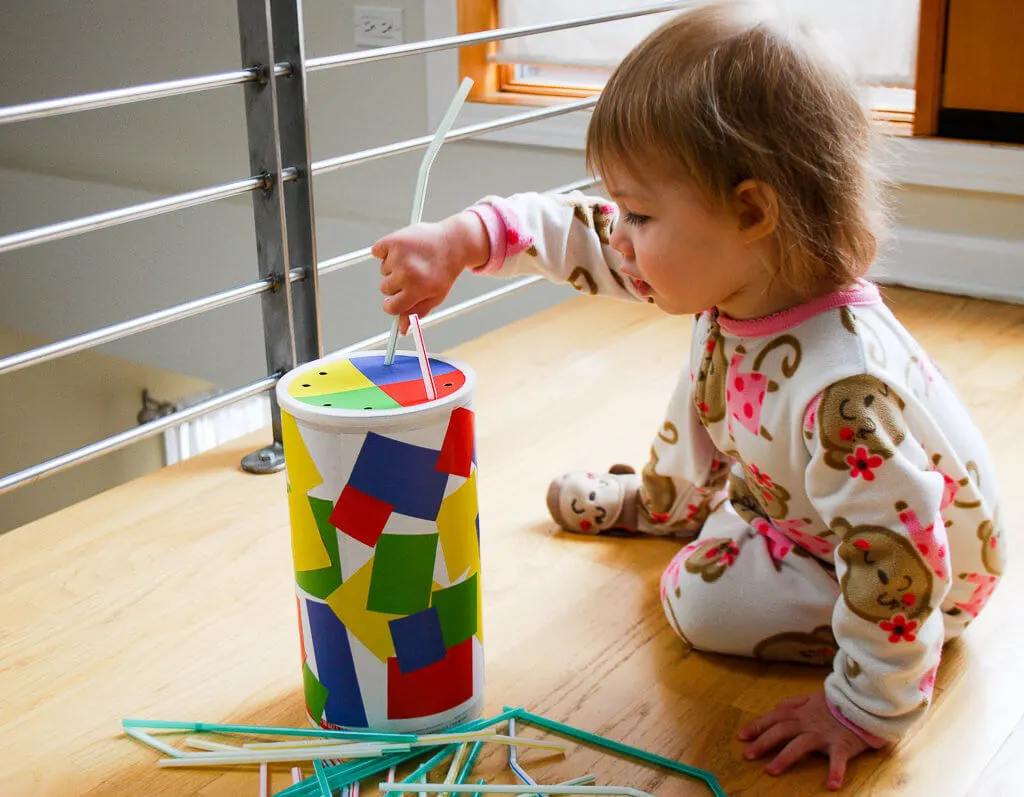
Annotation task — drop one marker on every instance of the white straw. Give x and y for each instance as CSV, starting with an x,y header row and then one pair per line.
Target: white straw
x,y
494,788
420,195
264,781
391,774
259,756
421,354
296,774
209,745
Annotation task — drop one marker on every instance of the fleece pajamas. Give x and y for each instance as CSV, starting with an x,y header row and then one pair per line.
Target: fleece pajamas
x,y
843,502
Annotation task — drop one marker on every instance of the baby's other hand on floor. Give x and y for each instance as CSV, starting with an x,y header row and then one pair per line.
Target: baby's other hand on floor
x,y
806,724
421,263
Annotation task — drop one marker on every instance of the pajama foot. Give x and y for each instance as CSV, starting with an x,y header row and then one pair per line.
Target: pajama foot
x,y
592,503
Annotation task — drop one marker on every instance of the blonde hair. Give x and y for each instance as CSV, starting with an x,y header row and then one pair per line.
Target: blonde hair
x,y
719,95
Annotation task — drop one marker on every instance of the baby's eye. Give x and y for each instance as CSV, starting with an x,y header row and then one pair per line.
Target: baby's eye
x,y
636,219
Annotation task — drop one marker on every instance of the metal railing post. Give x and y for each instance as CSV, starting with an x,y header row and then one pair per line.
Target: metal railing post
x,y
275,110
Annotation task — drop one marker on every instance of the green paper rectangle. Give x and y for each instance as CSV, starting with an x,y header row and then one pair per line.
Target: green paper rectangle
x,y
403,572
321,583
316,693
365,398
457,609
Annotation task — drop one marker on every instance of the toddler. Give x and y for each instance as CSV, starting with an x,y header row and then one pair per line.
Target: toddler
x,y
841,503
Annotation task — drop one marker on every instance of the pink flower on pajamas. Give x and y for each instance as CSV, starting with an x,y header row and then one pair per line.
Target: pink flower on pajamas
x,y
862,463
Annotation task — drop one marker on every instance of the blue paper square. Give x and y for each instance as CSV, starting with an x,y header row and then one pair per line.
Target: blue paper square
x,y
400,474
404,368
336,669
418,640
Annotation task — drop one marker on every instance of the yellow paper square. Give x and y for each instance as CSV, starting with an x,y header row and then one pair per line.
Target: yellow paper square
x,y
456,525
371,628
307,546
336,377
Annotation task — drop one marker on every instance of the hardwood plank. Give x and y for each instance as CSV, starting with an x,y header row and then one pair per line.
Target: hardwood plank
x,y
171,597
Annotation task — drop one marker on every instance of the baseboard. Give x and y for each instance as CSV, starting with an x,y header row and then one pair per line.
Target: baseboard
x,y
986,268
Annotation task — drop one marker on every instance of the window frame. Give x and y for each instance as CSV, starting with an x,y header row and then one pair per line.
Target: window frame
x,y
496,84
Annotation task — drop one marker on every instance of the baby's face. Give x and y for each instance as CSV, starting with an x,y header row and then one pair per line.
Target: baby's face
x,y
678,249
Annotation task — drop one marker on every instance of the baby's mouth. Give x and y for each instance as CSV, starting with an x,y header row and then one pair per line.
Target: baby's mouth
x,y
642,288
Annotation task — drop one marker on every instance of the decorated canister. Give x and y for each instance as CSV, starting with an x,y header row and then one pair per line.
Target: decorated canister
x,y
385,539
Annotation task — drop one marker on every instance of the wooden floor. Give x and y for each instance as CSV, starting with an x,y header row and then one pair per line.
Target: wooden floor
x,y
171,597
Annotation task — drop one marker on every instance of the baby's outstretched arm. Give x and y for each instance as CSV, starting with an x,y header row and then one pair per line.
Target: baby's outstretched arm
x,y
564,238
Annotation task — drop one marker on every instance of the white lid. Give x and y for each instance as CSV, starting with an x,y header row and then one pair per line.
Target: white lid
x,y
319,376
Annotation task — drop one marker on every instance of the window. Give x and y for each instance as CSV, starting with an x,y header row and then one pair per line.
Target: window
x,y
876,38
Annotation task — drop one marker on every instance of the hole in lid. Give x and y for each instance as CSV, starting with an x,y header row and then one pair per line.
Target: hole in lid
x,y
447,384
367,408
327,404
305,384
322,373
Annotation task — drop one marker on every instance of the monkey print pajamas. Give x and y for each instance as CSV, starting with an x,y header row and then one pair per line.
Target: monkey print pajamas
x,y
843,502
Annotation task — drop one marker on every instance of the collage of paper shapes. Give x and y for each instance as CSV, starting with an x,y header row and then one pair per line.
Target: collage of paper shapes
x,y
385,539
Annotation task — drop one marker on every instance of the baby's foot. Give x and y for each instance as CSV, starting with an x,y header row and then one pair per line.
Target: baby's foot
x,y
593,503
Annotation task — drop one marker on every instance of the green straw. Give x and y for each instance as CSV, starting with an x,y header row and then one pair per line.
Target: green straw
x,y
321,779
467,765
624,750
346,774
215,727
420,195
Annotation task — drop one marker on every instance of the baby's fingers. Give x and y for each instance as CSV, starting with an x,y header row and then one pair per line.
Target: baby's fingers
x,y
798,748
772,737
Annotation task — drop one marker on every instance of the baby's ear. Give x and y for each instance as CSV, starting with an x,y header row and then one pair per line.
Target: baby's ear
x,y
756,207
841,526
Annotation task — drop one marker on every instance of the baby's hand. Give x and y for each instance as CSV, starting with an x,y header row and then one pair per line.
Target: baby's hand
x,y
808,725
421,263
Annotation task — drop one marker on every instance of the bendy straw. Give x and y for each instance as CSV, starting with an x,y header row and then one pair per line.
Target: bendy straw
x,y
420,195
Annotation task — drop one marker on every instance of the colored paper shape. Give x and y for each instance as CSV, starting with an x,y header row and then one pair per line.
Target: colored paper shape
x,y
335,377
419,641
325,580
458,530
431,690
403,569
457,610
344,703
404,368
400,474
315,692
410,393
370,398
349,603
308,551
360,516
457,449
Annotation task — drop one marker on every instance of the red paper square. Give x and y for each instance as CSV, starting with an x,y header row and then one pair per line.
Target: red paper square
x,y
431,689
360,516
412,392
457,450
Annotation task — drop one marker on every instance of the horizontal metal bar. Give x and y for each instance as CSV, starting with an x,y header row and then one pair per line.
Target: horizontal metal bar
x,y
149,91
343,261
412,144
450,312
111,218
118,441
464,40
361,255
98,337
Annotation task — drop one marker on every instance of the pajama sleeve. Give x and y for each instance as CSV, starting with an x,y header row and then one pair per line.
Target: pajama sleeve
x,y
562,237
870,481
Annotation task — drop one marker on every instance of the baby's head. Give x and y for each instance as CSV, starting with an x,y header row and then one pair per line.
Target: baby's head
x,y
762,148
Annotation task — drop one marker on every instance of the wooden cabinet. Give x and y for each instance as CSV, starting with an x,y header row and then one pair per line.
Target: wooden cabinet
x,y
970,79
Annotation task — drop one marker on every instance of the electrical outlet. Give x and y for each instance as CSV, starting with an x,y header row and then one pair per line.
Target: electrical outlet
x,y
377,27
